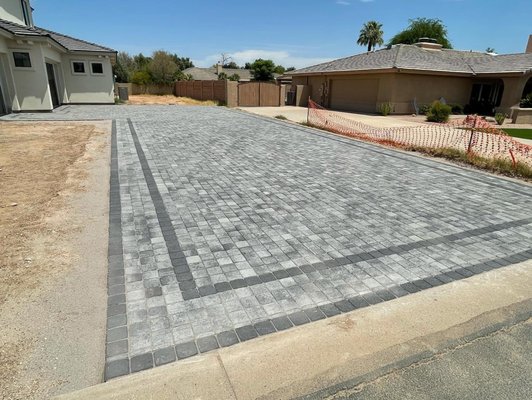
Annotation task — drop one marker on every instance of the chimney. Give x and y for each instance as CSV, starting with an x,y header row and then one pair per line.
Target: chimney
x,y
529,46
219,69
428,43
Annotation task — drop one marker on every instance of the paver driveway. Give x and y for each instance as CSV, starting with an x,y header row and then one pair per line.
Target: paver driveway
x,y
226,226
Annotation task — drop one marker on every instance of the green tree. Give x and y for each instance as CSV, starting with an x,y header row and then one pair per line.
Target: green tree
x,y
279,69
182,62
222,76
490,50
180,76
420,28
141,62
371,35
162,67
231,65
141,78
124,67
234,77
290,69
247,65
262,70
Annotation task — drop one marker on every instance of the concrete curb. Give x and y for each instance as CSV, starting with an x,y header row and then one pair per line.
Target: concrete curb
x,y
349,348
508,316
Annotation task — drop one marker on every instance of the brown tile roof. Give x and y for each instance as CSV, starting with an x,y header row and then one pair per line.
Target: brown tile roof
x,y
416,58
68,42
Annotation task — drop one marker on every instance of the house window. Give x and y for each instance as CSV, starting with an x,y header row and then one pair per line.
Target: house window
x,y
22,60
25,12
97,68
78,67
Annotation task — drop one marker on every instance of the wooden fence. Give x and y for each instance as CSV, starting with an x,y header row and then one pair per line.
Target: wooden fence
x,y
202,90
233,94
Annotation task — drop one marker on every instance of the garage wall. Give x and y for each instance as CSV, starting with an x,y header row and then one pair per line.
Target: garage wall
x,y
365,92
87,88
354,94
427,88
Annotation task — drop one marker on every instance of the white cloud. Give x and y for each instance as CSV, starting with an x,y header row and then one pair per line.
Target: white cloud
x,y
280,57
367,1
343,2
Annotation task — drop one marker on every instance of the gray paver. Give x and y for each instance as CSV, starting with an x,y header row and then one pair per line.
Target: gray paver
x,y
226,226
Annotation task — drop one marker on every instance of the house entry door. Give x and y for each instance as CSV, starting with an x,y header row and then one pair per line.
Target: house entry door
x,y
52,84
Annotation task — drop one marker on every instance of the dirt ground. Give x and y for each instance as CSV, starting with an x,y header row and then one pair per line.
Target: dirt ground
x,y
167,100
50,176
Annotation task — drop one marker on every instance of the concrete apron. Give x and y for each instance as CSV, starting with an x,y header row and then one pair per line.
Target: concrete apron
x,y
354,347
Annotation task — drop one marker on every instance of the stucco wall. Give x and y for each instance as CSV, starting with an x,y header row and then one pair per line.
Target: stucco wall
x,y
11,10
513,90
3,45
31,84
365,92
87,88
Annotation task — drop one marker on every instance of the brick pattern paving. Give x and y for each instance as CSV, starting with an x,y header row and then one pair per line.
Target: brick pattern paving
x,y
225,227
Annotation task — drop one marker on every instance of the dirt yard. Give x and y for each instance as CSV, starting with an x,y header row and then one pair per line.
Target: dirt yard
x,y
47,173
167,100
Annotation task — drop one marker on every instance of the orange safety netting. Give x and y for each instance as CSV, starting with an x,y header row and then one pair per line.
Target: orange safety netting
x,y
472,134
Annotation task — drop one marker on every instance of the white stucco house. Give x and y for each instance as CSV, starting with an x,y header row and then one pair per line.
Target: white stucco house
x,y
41,69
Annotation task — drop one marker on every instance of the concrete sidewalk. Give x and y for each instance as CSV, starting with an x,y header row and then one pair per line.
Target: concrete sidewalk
x,y
355,347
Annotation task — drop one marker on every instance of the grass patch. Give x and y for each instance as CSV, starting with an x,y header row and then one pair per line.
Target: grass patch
x,y
281,117
497,165
520,133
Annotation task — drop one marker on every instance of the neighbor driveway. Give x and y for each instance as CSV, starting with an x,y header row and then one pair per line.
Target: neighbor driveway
x,y
226,226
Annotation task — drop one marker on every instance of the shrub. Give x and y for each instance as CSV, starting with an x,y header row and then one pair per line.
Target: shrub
x,y
281,117
385,108
457,109
438,112
141,78
500,117
424,109
526,102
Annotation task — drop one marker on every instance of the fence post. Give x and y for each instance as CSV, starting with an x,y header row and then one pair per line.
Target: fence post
x,y
308,110
472,133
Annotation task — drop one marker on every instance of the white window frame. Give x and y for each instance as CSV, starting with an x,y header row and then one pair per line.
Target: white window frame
x,y
97,73
72,62
32,68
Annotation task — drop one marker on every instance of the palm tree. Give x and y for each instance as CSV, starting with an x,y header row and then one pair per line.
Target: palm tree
x,y
371,35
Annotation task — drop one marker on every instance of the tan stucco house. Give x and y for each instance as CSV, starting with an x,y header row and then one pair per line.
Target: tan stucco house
x,y
41,69
411,75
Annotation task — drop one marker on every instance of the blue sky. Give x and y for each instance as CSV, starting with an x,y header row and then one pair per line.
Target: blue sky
x,y
291,32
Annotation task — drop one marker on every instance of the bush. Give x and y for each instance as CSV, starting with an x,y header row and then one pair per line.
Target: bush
x,y
438,112
424,109
385,108
526,102
500,117
281,117
457,109
141,78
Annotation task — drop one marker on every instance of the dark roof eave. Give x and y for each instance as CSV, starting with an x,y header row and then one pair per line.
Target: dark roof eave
x,y
388,70
345,72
